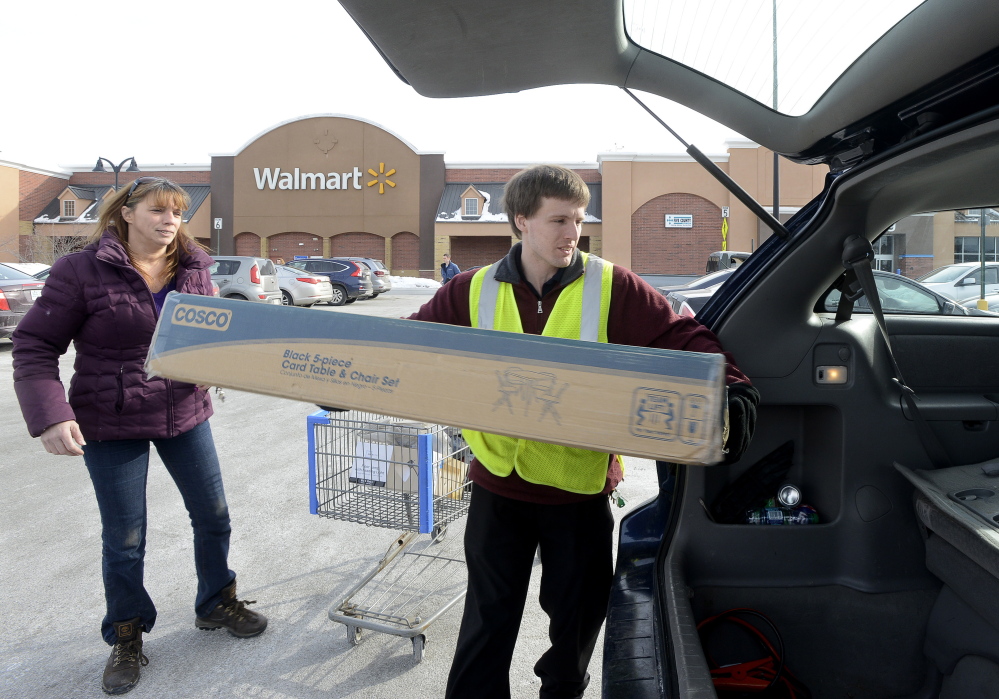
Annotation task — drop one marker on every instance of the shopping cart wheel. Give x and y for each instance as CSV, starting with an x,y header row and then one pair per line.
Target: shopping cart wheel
x,y
353,634
438,533
419,643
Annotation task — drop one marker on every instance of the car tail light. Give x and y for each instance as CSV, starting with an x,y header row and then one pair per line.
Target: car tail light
x,y
356,272
380,272
686,310
4,306
308,280
262,297
255,275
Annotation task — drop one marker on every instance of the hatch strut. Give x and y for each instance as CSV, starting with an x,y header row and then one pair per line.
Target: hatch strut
x,y
731,185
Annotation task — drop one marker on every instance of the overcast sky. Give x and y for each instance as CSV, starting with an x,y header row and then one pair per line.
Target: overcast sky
x,y
177,82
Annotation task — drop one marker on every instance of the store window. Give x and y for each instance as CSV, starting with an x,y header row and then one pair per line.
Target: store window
x,y
968,249
471,207
69,208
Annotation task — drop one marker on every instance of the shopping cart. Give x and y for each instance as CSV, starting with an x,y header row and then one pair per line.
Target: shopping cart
x,y
404,475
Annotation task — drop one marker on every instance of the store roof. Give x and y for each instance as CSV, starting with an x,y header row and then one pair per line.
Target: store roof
x,y
450,207
51,213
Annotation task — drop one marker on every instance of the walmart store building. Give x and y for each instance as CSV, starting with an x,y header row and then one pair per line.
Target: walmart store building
x,y
334,185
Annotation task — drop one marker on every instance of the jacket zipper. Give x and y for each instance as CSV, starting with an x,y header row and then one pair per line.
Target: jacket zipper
x,y
120,403
540,309
169,392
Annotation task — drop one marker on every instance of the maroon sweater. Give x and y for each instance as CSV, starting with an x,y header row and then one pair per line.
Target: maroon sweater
x,y
639,316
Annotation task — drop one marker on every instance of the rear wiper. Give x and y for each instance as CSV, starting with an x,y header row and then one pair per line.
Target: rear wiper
x,y
731,185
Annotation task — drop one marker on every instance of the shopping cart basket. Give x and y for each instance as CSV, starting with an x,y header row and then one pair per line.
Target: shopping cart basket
x,y
404,475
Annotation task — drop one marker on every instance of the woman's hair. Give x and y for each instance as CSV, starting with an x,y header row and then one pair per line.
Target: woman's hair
x,y
164,193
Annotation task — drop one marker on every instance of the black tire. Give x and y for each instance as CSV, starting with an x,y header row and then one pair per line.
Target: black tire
x,y
238,297
350,300
286,299
339,296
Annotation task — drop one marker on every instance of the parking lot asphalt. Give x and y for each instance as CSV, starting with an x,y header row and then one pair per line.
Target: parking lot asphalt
x,y
296,565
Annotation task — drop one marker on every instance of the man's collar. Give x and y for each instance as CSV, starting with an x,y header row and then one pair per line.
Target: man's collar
x,y
509,269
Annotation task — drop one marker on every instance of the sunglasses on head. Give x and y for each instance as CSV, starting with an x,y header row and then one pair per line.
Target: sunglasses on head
x,y
140,181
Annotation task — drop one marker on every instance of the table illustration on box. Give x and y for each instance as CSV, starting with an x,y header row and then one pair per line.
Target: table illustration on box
x,y
529,388
655,413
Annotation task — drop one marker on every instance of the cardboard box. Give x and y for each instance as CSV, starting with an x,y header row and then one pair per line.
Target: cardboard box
x,y
651,403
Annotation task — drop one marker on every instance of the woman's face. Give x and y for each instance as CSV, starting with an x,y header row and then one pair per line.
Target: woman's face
x,y
153,223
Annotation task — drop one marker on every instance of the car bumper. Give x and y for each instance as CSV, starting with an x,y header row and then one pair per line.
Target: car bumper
x,y
9,321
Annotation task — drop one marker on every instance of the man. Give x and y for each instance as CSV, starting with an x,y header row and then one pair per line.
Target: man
x,y
448,269
521,499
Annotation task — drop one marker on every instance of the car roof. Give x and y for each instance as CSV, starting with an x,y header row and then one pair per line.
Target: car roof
x,y
902,81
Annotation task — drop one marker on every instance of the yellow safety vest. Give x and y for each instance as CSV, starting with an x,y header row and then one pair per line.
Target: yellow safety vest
x,y
580,312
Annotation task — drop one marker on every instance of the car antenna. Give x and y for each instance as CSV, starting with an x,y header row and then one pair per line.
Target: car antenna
x,y
731,185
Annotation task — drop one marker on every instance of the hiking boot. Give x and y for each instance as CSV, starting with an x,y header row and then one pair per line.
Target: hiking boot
x,y
122,670
232,615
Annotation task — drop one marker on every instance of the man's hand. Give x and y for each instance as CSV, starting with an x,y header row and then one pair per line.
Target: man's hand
x,y
742,402
63,438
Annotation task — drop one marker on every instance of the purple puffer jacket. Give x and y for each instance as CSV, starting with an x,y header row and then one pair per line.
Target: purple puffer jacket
x,y
97,300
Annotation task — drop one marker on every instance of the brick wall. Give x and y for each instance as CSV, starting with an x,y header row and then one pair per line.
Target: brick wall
x,y
656,249
504,174
248,245
357,245
915,267
468,251
35,191
405,254
181,177
287,245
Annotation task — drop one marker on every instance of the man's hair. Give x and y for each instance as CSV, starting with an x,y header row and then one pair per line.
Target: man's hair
x,y
447,256
524,192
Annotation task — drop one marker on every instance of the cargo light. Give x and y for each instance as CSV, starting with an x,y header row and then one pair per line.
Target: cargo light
x,y
255,275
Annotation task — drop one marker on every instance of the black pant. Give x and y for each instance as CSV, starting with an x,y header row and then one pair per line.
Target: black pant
x,y
500,541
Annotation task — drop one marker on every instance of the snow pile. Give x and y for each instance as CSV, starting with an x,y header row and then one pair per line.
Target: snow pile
x,y
414,283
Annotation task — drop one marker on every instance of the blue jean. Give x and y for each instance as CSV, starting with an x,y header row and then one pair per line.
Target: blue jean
x,y
118,470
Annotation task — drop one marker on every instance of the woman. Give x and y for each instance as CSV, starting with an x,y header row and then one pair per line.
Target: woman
x,y
106,299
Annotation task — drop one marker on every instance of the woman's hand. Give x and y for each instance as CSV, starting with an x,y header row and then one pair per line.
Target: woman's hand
x,y
63,438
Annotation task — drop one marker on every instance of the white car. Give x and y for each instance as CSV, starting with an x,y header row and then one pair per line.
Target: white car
x,y
299,288
961,280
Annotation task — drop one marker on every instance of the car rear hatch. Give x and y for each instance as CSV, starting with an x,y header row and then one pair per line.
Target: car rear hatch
x,y
18,296
929,60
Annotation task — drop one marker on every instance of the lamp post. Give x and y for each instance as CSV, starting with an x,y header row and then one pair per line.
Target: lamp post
x,y
134,167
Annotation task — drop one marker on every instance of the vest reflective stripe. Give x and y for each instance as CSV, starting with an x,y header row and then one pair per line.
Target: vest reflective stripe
x,y
581,311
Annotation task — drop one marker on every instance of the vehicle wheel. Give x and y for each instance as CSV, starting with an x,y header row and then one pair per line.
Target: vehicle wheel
x,y
339,296
350,300
286,299
353,634
419,643
238,297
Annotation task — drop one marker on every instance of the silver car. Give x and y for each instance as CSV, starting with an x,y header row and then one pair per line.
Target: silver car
x,y
299,288
248,278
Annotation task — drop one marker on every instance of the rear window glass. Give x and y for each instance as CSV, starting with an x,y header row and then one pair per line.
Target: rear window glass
x,y
9,273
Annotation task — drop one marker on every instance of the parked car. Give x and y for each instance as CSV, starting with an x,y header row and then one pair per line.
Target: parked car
x,y
43,274
712,279
897,294
380,280
725,259
891,593
300,288
18,291
688,302
350,280
32,268
991,300
248,278
962,280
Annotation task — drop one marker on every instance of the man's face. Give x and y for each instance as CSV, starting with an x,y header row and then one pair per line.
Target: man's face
x,y
551,235
447,259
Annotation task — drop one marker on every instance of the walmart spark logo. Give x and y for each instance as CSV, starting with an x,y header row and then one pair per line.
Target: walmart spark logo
x,y
381,174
